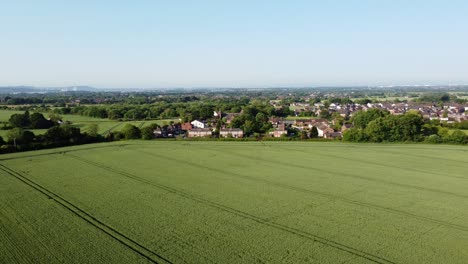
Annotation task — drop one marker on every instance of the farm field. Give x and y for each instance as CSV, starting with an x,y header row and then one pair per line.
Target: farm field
x,y
235,202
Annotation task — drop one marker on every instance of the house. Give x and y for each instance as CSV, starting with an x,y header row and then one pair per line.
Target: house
x,y
186,126
233,132
217,114
231,116
199,132
332,135
167,131
198,124
322,130
278,133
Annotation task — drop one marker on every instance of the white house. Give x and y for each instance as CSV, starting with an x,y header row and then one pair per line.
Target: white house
x,y
198,124
322,130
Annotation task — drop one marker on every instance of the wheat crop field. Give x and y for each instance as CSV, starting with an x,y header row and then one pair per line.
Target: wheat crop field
x,y
235,202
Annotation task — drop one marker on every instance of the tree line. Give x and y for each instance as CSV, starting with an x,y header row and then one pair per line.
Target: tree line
x,y
376,125
19,138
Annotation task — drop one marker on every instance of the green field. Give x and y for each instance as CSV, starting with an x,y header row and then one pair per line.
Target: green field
x,y
235,202
104,125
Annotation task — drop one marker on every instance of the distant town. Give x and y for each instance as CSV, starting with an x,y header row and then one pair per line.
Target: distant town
x,y
354,114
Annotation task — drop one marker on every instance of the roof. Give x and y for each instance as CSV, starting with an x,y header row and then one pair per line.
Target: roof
x,y
200,130
231,130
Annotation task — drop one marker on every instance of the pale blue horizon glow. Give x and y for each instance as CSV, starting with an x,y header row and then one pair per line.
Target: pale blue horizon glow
x,y
153,44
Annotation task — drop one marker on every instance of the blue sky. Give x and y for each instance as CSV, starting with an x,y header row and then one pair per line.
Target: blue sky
x,y
233,43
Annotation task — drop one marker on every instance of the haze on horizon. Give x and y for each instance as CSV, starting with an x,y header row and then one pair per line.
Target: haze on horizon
x,y
152,44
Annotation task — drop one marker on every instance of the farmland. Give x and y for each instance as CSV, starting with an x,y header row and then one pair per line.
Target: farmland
x,y
104,125
235,202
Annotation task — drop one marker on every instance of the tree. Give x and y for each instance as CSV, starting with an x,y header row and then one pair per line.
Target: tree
x,y
147,133
411,125
248,127
2,142
54,134
114,114
19,120
54,117
63,133
433,139
38,121
362,118
15,135
314,132
93,130
27,137
354,135
131,132
458,137
18,136
382,129
325,114
71,133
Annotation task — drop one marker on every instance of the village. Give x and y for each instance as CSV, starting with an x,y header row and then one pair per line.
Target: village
x,y
327,128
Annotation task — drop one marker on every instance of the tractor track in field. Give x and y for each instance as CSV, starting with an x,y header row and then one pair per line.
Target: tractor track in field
x,y
141,124
377,164
323,194
242,214
124,240
64,151
111,128
424,156
349,175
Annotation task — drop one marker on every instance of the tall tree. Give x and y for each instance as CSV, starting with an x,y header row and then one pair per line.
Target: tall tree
x,y
147,133
38,121
131,132
313,132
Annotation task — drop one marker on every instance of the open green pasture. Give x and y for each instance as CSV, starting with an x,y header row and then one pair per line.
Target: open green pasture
x,y
104,125
5,114
235,202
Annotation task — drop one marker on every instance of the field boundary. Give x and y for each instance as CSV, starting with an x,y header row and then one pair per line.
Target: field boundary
x,y
113,233
245,215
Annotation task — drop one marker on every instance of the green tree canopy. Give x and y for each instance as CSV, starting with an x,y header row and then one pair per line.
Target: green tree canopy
x,y
147,133
362,118
19,120
131,132
38,121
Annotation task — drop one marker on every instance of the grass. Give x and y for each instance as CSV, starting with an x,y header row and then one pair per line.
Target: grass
x,y
5,114
235,202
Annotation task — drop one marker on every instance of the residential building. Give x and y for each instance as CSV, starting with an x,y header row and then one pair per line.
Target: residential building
x,y
199,132
234,132
198,124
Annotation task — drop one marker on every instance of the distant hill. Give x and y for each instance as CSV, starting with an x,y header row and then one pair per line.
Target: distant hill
x,y
33,89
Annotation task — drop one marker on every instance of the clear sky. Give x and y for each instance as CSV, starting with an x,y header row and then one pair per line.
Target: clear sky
x,y
233,43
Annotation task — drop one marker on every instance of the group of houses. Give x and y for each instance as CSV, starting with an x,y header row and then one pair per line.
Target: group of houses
x,y
444,113
198,128
323,126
